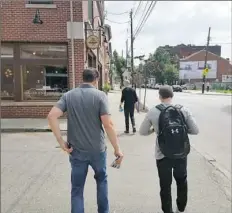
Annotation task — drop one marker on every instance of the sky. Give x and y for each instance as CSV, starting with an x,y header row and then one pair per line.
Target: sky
x,y
171,23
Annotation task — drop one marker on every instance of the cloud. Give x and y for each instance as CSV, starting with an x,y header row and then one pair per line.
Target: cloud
x,y
172,23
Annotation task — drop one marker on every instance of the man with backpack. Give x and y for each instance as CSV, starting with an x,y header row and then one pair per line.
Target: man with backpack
x,y
172,124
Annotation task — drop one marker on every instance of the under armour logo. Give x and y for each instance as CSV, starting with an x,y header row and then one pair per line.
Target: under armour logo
x,y
174,131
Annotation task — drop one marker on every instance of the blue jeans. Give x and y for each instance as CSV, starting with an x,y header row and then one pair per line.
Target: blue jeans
x,y
80,162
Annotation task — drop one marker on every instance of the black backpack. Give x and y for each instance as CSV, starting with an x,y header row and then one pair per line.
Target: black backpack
x,y
173,137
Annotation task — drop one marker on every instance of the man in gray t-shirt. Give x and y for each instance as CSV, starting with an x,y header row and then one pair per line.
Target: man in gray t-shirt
x,y
87,114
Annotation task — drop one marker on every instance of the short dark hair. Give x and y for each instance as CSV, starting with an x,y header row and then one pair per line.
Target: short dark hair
x,y
90,75
166,92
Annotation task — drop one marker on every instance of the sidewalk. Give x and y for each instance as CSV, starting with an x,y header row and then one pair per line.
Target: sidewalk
x,y
206,93
36,176
41,125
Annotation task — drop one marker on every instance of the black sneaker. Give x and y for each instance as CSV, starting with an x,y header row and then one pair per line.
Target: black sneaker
x,y
127,131
134,130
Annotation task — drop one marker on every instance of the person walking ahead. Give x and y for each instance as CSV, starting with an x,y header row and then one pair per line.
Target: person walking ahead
x,y
129,98
87,109
172,125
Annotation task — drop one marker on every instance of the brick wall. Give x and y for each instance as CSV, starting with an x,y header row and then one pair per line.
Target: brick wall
x,y
17,22
78,61
25,111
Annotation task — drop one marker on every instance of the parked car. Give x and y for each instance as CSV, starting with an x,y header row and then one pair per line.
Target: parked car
x,y
157,86
188,86
142,86
184,87
177,88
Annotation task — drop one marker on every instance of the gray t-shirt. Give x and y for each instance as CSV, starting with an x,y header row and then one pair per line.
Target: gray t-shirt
x,y
152,120
84,106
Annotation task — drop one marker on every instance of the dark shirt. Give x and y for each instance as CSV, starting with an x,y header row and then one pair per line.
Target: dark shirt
x,y
129,97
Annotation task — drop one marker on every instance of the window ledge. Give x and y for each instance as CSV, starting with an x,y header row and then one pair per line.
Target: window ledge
x,y
38,6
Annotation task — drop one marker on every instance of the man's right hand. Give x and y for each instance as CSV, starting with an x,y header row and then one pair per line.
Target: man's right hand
x,y
118,154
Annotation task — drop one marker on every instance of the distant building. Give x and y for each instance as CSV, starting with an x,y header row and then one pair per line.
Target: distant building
x,y
183,51
191,67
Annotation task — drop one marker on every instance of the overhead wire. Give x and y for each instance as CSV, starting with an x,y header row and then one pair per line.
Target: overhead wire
x,y
142,15
137,9
117,14
117,22
145,18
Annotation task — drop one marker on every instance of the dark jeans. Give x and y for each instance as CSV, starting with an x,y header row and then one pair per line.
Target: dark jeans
x,y
129,112
80,162
179,167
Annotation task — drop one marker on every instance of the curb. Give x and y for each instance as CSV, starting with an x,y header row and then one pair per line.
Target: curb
x,y
219,94
20,130
224,174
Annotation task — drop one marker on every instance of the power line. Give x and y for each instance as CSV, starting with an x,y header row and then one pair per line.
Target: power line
x,y
137,9
145,18
142,16
117,14
117,22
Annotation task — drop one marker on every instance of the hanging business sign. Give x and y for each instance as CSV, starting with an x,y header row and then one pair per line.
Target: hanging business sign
x,y
92,42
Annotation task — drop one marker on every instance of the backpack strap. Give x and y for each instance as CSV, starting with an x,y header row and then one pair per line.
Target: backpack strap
x,y
179,107
160,107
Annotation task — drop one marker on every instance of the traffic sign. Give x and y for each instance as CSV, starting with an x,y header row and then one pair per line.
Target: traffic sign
x,y
205,71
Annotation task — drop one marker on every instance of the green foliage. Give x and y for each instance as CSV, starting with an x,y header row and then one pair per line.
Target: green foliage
x,y
120,65
170,74
106,88
163,66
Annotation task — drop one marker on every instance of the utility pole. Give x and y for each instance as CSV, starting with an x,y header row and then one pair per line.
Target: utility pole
x,y
145,92
132,47
141,59
206,56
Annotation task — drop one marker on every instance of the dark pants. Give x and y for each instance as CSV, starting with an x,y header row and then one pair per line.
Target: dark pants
x,y
207,88
179,167
129,112
80,162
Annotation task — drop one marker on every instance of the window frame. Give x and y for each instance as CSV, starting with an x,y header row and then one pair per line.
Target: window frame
x,y
49,2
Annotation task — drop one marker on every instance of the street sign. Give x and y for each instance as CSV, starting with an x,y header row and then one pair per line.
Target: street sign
x,y
205,71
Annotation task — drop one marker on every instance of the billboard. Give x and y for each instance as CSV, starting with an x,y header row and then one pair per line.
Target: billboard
x,y
194,69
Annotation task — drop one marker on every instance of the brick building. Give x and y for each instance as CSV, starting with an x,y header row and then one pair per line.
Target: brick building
x,y
222,67
44,51
183,51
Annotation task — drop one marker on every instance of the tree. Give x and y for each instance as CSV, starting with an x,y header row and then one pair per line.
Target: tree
x,y
120,65
162,66
170,74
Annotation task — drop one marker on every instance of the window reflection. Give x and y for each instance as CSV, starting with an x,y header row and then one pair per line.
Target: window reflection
x,y
7,51
7,82
41,51
44,82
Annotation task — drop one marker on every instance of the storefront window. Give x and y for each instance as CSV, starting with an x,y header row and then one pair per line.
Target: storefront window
x,y
43,51
42,82
7,51
7,81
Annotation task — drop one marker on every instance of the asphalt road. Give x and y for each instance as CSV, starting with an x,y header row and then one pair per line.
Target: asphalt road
x,y
213,115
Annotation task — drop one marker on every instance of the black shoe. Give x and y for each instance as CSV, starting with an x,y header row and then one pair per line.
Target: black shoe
x,y
127,131
134,130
